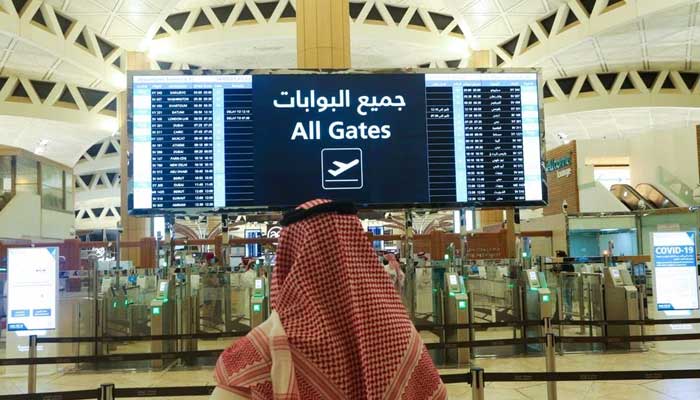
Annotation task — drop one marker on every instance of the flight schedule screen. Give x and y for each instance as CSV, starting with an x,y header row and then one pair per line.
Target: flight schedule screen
x,y
210,142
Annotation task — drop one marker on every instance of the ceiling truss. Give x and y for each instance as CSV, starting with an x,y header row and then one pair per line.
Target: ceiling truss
x,y
70,41
572,23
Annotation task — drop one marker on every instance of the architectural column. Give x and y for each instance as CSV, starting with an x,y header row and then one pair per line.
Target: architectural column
x,y
480,59
134,229
323,34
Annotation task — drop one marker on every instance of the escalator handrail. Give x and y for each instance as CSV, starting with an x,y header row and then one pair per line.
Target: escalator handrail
x,y
646,189
617,190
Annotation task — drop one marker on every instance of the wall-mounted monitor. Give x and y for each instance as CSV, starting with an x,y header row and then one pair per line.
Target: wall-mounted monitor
x,y
205,140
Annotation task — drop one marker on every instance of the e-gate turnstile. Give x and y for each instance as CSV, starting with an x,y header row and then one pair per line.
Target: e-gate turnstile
x,y
162,319
539,304
621,303
456,311
258,303
187,308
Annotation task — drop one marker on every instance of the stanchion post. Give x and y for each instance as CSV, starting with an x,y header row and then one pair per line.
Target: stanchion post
x,y
642,289
478,384
107,391
472,336
31,376
551,366
560,310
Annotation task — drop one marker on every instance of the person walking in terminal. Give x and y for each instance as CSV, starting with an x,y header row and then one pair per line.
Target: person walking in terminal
x,y
393,269
338,329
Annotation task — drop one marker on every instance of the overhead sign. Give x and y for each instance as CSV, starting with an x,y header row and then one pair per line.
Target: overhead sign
x,y
675,271
32,288
384,140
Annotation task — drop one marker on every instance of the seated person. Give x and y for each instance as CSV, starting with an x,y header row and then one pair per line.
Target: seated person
x,y
338,330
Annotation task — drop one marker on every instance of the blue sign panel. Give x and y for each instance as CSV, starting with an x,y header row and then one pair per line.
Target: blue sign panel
x,y
675,271
215,141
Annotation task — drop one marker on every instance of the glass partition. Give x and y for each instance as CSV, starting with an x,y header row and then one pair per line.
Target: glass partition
x,y
592,236
51,187
665,222
68,186
26,176
5,180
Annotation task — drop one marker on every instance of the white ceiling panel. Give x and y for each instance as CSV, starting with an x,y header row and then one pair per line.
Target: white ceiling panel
x,y
518,22
67,73
623,123
139,7
66,142
481,7
4,41
507,5
532,7
662,40
497,28
478,21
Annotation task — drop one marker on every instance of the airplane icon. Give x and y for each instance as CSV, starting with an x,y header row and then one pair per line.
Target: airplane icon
x,y
342,167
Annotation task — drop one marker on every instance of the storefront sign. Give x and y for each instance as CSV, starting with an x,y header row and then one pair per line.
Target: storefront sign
x,y
675,271
32,288
559,163
564,173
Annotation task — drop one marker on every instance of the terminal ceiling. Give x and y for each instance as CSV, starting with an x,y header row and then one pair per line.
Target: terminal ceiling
x,y
78,47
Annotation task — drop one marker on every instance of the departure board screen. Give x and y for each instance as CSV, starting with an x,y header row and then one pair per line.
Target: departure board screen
x,y
205,141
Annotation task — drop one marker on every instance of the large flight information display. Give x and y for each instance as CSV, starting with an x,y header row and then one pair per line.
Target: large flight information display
x,y
270,141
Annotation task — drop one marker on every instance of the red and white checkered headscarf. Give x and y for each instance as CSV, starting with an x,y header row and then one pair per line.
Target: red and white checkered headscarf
x,y
343,325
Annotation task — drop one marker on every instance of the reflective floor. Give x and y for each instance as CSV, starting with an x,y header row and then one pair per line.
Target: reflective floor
x,y
69,379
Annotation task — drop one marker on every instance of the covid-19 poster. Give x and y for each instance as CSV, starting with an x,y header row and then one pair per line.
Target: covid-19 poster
x,y
675,271
32,288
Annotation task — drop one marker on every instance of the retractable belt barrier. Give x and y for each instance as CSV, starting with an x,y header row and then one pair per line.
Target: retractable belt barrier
x,y
177,391
110,358
70,395
505,324
591,376
108,339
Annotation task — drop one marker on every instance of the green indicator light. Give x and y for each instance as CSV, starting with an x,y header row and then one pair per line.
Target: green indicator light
x,y
156,310
114,304
165,300
126,302
462,304
447,256
452,294
545,298
524,254
534,289
257,307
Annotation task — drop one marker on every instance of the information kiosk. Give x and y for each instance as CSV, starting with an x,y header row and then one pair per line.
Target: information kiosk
x,y
456,312
621,303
